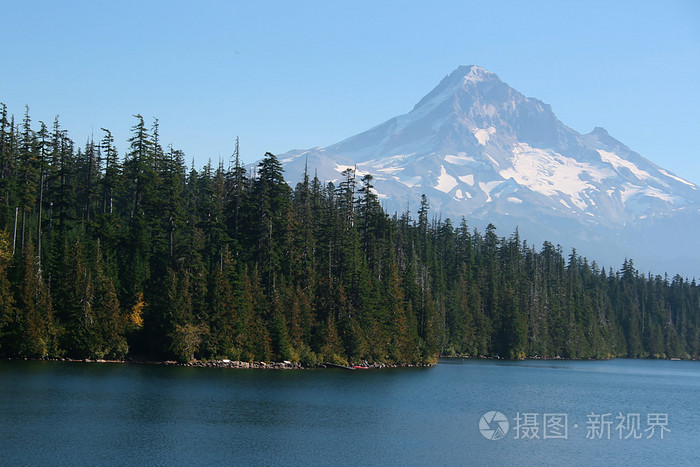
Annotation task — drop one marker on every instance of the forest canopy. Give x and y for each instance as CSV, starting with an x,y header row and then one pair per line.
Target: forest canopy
x,y
109,256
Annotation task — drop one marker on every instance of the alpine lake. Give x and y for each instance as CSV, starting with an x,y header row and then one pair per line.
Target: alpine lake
x,y
460,412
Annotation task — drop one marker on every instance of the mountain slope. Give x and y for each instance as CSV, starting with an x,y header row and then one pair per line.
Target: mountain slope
x,y
480,149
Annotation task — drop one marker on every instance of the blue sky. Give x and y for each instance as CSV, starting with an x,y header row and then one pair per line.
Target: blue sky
x,y
284,75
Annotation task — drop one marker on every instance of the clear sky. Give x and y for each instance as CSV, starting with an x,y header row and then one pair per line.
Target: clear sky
x,y
290,74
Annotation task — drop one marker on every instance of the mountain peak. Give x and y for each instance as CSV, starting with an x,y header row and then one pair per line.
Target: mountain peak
x,y
600,131
474,73
457,80
478,148
470,74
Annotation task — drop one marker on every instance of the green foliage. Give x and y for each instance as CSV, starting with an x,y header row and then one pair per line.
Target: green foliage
x,y
101,257
186,339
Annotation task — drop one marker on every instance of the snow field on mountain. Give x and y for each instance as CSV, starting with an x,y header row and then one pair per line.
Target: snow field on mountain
x,y
551,174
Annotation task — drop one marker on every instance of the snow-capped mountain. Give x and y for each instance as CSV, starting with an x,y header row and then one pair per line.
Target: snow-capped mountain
x,y
480,149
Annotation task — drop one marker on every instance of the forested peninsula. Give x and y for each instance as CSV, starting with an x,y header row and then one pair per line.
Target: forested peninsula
x,y
106,256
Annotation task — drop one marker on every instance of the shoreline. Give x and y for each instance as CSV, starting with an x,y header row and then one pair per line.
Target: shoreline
x,y
231,364
287,365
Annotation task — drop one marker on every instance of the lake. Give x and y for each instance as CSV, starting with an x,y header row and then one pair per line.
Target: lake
x,y
461,412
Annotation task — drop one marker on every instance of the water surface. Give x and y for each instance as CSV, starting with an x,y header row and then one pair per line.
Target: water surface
x,y
87,414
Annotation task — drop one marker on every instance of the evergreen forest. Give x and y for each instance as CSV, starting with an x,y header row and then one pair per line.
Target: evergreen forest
x,y
111,256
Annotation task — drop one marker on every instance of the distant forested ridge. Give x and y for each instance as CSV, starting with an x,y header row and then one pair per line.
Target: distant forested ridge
x,y
105,255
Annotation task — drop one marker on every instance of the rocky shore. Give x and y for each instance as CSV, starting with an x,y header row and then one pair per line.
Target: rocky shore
x,y
285,365
237,364
234,364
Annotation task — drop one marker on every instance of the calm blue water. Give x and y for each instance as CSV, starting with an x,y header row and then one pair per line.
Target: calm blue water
x,y
91,414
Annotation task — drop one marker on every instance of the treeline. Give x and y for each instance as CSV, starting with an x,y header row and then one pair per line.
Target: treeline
x,y
102,256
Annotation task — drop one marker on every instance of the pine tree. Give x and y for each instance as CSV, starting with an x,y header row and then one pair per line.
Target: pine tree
x,y
222,313
8,310
31,331
27,173
6,165
111,320
111,172
271,193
